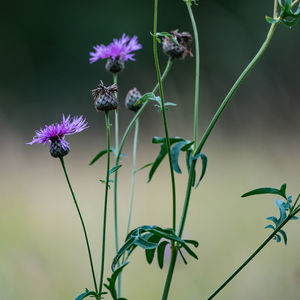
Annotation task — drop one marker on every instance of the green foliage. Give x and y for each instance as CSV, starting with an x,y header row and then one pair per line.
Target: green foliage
x,y
88,293
283,206
146,97
287,16
148,238
178,145
102,152
165,34
111,286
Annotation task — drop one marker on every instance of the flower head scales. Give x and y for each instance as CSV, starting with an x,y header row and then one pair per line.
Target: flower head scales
x,y
119,49
57,131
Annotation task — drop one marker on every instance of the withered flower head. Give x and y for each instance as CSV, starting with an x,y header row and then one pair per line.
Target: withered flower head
x,y
105,98
132,97
183,48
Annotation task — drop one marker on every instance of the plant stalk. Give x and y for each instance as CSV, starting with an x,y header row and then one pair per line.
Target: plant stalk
x,y
82,224
209,129
105,201
270,237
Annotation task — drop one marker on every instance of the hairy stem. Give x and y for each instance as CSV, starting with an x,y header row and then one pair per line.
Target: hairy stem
x,y
105,201
82,224
270,237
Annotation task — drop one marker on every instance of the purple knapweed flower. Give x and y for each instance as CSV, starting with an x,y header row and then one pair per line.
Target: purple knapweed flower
x,y
116,53
54,134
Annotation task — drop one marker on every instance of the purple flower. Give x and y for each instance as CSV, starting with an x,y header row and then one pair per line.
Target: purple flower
x,y
119,49
54,134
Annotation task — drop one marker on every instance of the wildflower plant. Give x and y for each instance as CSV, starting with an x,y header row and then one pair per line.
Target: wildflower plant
x,y
154,239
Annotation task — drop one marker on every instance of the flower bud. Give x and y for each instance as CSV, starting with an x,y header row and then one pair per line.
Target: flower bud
x,y
105,98
132,97
114,65
57,149
173,50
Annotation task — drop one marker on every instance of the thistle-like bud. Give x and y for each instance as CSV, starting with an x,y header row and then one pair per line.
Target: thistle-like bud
x,y
132,97
114,65
105,98
57,149
173,50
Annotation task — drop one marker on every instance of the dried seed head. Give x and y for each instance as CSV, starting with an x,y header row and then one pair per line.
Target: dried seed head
x,y
114,66
132,97
184,40
57,149
105,98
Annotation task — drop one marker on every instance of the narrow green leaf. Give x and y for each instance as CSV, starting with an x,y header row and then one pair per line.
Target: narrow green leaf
x,y
161,253
271,20
204,166
159,140
274,219
87,293
128,243
284,236
99,155
158,160
114,169
143,167
146,97
189,250
192,242
175,151
183,258
151,252
270,226
144,243
265,190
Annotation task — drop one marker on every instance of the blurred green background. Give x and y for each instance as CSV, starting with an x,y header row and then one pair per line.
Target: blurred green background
x,y
45,72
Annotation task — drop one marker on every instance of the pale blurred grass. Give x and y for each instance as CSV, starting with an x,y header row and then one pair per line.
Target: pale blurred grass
x,y
43,254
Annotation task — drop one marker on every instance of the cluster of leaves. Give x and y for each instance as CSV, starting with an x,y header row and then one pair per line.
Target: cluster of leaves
x,y
178,144
287,16
159,35
149,238
285,207
88,293
151,97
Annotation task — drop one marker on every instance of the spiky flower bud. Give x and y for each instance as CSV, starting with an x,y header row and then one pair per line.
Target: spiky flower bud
x,y
57,149
173,50
105,98
132,97
114,66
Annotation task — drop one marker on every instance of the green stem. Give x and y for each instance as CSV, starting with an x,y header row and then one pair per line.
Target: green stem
x,y
115,78
139,112
135,139
249,258
105,201
295,2
82,224
208,131
163,109
197,72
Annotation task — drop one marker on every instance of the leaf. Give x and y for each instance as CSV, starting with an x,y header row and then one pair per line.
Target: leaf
x,y
161,253
143,167
99,155
158,160
267,190
284,236
282,210
146,97
151,252
271,20
193,242
166,34
277,238
175,151
87,293
111,286
204,166
114,169
270,226
159,140
184,260
274,219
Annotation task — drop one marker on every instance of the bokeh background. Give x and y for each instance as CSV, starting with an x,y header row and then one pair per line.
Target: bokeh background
x,y
45,72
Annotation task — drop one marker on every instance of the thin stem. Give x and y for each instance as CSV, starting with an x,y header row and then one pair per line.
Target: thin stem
x,y
209,129
139,112
163,109
135,139
105,201
197,72
275,9
115,78
82,224
295,2
249,258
